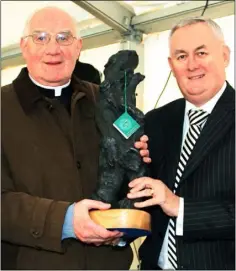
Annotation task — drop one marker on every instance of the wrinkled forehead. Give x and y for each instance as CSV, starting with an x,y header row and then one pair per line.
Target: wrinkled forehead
x,y
52,22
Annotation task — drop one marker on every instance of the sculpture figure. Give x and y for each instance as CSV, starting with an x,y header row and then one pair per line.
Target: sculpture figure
x,y
119,161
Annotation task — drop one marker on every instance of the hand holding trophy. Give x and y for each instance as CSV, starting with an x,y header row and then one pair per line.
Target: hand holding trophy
x,y
120,124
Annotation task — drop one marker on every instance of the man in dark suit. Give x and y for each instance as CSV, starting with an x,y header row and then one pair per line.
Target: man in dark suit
x,y
192,189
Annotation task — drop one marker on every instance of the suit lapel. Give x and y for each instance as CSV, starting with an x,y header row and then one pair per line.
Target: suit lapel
x,y
173,131
218,123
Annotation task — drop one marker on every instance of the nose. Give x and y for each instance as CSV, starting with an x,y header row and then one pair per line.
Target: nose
x,y
52,48
192,63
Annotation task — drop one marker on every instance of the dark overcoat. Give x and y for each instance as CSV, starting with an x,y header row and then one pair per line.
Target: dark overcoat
x,y
49,160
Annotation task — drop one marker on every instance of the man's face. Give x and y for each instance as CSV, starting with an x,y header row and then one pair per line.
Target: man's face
x,y
51,64
198,60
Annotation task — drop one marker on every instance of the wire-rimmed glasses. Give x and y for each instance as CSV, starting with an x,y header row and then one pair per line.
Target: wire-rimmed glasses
x,y
62,38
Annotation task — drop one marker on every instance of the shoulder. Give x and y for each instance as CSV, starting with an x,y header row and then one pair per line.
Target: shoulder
x,y
166,110
158,120
230,90
90,89
94,88
6,89
9,102
7,92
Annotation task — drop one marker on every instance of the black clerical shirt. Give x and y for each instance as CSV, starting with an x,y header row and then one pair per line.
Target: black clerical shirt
x,y
64,98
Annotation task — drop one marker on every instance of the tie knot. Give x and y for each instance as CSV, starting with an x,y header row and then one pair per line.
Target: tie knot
x,y
197,117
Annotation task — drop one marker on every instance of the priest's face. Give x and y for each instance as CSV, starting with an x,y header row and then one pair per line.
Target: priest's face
x,y
51,47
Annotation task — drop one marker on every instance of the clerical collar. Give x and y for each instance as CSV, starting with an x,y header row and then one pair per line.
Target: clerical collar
x,y
57,90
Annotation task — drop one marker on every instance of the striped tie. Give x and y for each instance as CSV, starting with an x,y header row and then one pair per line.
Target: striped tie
x,y
197,119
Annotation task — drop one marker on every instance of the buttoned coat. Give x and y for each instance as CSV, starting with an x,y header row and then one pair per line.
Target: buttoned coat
x,y
49,161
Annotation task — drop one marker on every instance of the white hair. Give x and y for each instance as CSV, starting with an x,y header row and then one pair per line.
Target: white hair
x,y
195,20
28,21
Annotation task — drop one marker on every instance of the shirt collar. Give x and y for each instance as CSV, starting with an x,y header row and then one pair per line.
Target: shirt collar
x,y
208,107
57,89
29,94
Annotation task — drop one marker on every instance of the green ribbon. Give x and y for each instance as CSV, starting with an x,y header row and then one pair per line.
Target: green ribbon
x,y
125,92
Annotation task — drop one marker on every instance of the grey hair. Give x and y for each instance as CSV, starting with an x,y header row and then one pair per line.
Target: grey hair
x,y
194,20
28,21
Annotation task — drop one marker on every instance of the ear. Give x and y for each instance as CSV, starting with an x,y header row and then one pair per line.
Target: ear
x,y
79,47
171,65
226,55
23,47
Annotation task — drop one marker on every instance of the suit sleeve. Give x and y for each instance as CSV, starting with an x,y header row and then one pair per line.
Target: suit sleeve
x,y
28,220
209,219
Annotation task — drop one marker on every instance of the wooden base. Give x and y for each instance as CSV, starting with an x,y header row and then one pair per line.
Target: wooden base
x,y
122,218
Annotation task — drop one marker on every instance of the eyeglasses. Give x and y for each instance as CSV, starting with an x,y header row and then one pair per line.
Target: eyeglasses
x,y
42,38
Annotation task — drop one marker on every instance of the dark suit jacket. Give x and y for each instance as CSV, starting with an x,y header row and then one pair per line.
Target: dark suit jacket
x,y
207,186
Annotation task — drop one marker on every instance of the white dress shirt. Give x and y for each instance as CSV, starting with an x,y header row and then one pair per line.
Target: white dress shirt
x,y
163,261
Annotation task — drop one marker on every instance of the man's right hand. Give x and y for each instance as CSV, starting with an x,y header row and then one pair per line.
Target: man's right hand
x,y
89,232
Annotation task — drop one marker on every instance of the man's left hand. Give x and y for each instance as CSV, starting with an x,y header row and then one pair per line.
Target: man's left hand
x,y
143,146
157,192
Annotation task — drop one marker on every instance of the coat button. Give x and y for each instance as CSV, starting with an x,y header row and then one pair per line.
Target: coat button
x,y
35,233
50,107
78,164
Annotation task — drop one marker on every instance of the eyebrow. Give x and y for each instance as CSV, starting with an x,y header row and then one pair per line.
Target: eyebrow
x,y
62,31
38,30
181,51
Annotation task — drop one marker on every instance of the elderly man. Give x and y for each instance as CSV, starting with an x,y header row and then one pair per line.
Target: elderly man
x,y
192,146
50,148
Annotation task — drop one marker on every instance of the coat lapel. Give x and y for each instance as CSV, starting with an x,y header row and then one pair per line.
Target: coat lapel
x,y
218,123
174,131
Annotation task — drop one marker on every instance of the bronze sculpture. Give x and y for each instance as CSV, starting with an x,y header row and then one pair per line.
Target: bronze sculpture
x,y
119,161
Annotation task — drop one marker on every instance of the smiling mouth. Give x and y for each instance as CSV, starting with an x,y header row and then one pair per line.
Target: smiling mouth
x,y
196,77
53,63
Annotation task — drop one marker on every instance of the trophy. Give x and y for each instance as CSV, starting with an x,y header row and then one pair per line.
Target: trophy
x,y
120,124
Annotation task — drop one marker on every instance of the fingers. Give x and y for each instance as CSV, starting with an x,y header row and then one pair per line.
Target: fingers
x,y
111,242
144,138
94,204
103,233
115,242
138,187
90,232
147,160
143,146
145,203
142,143
154,189
141,187
85,228
104,240
142,182
144,153
140,194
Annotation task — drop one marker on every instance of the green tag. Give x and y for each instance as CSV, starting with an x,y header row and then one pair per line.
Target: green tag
x,y
126,125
